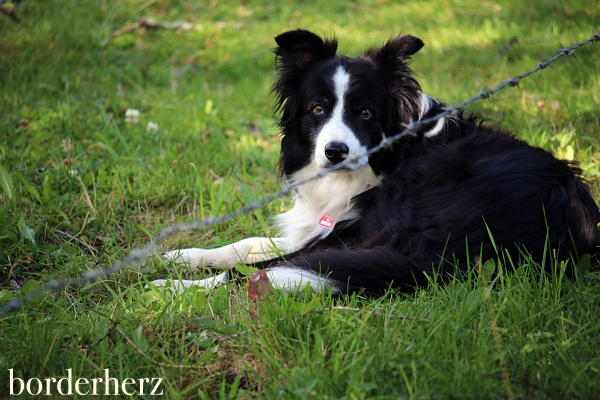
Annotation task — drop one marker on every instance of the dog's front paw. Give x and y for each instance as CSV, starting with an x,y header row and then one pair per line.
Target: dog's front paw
x,y
178,286
200,258
161,283
175,286
194,258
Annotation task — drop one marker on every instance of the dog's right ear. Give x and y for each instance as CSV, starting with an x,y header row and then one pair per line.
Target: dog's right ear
x,y
298,48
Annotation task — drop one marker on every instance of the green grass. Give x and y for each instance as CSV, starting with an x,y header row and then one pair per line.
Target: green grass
x,y
80,187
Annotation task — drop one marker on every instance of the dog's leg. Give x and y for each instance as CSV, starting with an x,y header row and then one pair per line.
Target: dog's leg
x,y
180,285
289,278
246,251
338,270
284,276
348,270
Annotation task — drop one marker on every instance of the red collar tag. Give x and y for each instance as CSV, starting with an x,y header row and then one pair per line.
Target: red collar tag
x,y
326,221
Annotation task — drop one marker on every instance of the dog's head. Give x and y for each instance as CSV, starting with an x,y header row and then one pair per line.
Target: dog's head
x,y
336,107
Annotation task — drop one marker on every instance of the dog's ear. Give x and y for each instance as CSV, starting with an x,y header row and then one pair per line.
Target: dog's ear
x,y
297,49
392,60
396,52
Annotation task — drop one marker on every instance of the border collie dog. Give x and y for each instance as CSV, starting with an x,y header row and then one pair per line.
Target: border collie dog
x,y
455,194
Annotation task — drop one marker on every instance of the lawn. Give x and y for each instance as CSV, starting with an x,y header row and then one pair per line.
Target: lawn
x,y
83,182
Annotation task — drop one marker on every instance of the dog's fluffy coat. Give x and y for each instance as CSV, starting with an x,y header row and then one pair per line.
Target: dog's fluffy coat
x,y
424,206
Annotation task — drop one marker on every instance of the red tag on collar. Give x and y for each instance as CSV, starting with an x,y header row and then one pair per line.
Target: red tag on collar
x,y
326,221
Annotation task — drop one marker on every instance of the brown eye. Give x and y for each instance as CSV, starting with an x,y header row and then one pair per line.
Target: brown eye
x,y
365,114
318,109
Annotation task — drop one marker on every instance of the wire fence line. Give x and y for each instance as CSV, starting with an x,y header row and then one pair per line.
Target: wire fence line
x,y
137,255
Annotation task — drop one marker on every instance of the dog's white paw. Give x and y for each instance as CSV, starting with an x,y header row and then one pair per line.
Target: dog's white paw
x,y
178,286
194,258
200,258
162,283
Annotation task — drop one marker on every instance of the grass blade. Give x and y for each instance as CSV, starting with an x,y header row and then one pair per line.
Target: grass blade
x,y
6,182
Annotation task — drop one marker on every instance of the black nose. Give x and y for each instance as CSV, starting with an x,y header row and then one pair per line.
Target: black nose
x,y
336,151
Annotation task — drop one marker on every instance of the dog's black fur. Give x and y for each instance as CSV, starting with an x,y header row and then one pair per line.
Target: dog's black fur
x,y
441,198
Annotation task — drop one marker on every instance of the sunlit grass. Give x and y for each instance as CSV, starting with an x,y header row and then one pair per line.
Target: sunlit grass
x,y
87,187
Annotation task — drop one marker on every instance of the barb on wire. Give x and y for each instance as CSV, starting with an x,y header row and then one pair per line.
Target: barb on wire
x,y
137,255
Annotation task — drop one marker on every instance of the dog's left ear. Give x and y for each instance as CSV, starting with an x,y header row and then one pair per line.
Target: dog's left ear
x,y
396,52
392,60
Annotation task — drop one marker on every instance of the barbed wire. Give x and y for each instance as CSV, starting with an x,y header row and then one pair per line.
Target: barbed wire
x,y
410,128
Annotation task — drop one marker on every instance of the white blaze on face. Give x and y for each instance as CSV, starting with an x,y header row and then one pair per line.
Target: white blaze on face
x,y
336,130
